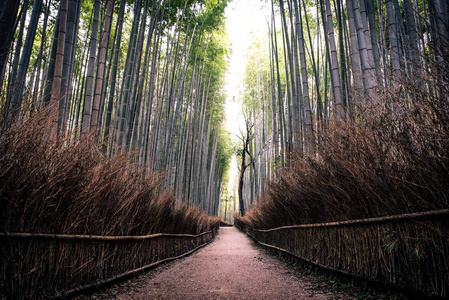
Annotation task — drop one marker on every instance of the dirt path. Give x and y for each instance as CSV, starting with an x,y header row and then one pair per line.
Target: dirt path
x,y
230,268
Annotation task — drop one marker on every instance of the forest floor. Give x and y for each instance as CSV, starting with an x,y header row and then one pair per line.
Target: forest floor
x,y
232,267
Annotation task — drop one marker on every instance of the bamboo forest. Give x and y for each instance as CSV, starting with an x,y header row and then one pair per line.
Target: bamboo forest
x,y
119,150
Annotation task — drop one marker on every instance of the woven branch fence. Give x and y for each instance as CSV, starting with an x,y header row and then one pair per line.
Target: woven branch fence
x,y
35,266
409,251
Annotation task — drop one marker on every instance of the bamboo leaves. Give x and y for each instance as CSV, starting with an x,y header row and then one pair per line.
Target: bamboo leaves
x,y
333,55
139,76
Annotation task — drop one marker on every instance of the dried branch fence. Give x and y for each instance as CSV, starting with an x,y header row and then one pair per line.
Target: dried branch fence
x,y
59,265
409,251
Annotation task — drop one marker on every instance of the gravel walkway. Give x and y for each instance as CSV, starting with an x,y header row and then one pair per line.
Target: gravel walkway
x,y
230,268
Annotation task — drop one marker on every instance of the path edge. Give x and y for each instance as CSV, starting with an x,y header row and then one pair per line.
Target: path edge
x,y
120,277
362,281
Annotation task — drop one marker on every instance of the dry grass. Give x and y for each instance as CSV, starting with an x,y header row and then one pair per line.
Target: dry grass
x,y
393,159
71,188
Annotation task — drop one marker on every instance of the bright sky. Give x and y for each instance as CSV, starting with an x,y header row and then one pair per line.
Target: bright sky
x,y
243,17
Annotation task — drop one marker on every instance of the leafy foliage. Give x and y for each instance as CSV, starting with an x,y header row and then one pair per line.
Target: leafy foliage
x,y
392,161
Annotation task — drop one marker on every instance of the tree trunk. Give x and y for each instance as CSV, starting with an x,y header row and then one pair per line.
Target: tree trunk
x,y
111,102
373,35
394,44
68,61
8,17
85,127
338,101
367,68
37,85
105,35
57,76
19,81
308,130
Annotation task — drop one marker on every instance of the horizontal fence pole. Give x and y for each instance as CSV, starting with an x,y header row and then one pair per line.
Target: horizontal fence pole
x,y
401,288
91,238
100,283
407,252
410,216
101,260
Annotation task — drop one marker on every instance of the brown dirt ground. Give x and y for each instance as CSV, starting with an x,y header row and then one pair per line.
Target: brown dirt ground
x,y
229,268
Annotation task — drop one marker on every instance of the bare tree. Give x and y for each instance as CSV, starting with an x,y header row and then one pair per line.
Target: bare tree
x,y
246,139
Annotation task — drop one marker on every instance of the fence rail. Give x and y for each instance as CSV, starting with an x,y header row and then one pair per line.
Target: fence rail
x,y
36,265
92,238
409,251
